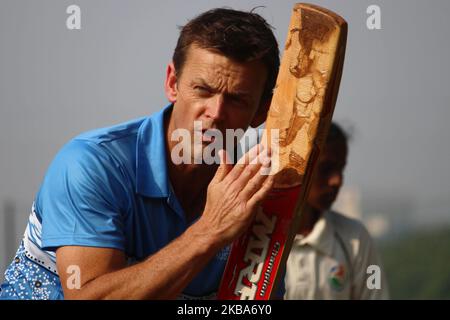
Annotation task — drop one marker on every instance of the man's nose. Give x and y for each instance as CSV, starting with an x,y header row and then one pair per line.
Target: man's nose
x,y
335,179
216,108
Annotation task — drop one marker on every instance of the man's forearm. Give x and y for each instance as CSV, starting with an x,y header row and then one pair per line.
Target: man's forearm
x,y
232,199
162,276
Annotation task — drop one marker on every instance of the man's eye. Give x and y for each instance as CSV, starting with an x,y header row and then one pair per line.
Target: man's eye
x,y
326,169
237,100
202,90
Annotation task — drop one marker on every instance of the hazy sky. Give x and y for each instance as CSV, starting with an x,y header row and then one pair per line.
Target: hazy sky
x,y
56,83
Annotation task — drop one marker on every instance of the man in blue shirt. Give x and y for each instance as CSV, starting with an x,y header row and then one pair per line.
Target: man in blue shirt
x,y
118,217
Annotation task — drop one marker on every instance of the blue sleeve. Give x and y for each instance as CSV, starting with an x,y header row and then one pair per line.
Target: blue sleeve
x,y
82,199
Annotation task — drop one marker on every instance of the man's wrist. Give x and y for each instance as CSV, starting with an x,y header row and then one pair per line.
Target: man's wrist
x,y
203,238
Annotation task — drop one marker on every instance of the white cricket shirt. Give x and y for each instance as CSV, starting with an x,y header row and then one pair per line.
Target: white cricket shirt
x,y
332,262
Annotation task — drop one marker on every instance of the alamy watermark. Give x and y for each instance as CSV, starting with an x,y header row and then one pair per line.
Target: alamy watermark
x,y
374,280
73,21
203,146
373,21
74,279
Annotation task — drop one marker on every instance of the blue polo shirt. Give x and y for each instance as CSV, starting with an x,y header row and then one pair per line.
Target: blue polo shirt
x,y
106,188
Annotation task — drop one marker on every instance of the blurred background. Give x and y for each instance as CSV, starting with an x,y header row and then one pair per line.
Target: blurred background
x,y
394,101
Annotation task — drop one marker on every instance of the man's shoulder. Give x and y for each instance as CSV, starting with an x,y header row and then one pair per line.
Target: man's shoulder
x,y
352,232
349,228
113,145
104,149
123,138
112,133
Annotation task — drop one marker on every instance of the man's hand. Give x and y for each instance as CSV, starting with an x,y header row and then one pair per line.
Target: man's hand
x,y
233,195
232,198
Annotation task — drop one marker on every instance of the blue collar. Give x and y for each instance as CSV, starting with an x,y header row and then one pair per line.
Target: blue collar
x,y
152,179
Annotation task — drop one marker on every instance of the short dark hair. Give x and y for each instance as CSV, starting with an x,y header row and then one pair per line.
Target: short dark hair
x,y
238,35
337,134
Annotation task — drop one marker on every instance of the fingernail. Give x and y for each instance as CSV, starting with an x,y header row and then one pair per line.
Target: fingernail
x,y
253,157
265,171
261,159
266,160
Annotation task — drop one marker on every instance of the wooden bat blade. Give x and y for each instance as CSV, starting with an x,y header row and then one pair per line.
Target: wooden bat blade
x,y
306,90
297,123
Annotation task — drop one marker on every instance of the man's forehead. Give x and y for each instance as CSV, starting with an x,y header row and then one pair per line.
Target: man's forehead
x,y
211,67
220,61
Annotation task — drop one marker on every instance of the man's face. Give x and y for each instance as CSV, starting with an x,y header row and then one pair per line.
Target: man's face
x,y
328,176
219,92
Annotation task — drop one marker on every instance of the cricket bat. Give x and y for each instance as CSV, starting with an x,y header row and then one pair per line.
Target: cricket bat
x,y
296,127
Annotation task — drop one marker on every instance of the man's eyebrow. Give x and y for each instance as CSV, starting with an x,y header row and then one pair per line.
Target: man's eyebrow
x,y
234,94
202,82
238,94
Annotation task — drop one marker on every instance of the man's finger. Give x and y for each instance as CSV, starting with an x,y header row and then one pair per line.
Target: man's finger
x,y
244,161
261,193
251,154
256,182
252,169
224,167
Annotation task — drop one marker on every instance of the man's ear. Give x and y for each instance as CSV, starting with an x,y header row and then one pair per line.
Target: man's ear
x,y
261,114
170,85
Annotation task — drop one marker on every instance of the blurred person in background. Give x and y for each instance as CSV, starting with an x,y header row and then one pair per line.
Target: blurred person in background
x,y
331,253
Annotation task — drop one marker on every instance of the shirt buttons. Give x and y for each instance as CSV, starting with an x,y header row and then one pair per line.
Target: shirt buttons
x,y
37,284
16,260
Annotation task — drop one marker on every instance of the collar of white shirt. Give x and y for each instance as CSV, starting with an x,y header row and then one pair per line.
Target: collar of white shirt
x,y
322,235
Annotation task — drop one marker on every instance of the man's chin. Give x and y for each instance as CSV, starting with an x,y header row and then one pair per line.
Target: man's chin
x,y
323,206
